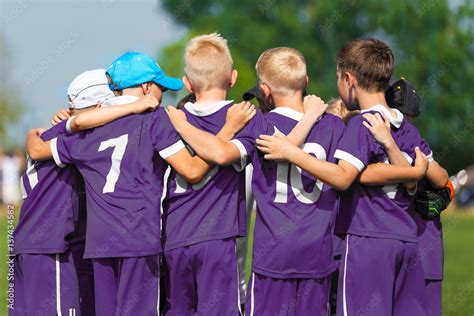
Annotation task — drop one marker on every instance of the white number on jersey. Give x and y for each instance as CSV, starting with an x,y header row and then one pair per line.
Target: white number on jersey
x,y
119,144
391,189
182,185
296,180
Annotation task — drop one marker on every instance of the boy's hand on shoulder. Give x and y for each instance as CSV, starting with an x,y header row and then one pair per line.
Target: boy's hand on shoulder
x,y
314,106
60,116
421,163
276,147
239,115
146,103
176,116
379,127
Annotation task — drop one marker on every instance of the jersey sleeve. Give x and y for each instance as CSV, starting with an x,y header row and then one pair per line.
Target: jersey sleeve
x,y
426,149
355,146
164,137
245,140
62,147
54,131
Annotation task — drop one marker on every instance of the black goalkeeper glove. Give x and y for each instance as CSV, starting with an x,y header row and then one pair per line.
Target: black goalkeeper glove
x,y
431,202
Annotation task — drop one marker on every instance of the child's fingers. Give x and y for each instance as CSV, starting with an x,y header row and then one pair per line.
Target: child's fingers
x,y
263,149
262,142
369,127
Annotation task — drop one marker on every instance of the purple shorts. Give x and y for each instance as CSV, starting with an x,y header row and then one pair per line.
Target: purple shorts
x,y
127,286
434,290
45,285
202,279
270,296
380,276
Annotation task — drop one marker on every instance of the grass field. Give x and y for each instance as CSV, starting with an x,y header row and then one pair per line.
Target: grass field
x,y
458,286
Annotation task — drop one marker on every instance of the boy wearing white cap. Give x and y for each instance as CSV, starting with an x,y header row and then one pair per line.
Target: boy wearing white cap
x,y
45,280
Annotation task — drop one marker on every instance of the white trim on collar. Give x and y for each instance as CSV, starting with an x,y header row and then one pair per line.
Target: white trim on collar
x,y
207,110
395,121
288,112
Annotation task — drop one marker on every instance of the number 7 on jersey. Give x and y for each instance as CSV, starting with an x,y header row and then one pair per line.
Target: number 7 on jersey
x,y
119,144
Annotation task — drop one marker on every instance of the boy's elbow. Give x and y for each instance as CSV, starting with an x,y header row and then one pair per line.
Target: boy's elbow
x,y
194,177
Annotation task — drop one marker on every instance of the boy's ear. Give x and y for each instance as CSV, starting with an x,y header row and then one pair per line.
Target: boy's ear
x,y
307,80
146,88
349,79
188,84
233,77
265,89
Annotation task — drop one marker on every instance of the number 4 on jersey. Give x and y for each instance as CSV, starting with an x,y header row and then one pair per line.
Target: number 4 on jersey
x,y
119,144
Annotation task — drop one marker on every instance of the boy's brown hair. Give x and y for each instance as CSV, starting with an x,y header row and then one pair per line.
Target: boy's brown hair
x,y
370,60
283,69
208,62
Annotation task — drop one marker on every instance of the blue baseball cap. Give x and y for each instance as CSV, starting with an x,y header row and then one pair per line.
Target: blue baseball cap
x,y
132,69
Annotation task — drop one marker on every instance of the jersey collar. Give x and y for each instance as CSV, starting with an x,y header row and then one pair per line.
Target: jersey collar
x,y
208,109
395,121
288,112
123,99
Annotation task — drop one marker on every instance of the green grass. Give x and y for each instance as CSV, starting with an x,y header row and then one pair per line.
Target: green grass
x,y
458,285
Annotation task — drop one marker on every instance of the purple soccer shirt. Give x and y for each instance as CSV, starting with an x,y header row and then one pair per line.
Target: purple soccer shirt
x,y
377,211
430,235
295,211
50,205
123,176
215,207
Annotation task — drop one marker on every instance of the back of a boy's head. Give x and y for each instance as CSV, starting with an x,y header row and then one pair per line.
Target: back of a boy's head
x,y
283,69
370,60
208,62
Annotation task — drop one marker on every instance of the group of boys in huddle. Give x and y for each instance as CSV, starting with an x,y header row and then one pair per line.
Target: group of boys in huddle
x,y
135,209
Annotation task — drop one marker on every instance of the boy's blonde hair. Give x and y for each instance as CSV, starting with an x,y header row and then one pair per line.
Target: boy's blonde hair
x,y
208,63
337,107
283,69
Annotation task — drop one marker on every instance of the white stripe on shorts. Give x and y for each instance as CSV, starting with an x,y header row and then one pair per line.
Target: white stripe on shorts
x,y
344,300
58,286
252,299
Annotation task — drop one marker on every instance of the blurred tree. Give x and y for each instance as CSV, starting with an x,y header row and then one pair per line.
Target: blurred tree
x,y
9,106
432,42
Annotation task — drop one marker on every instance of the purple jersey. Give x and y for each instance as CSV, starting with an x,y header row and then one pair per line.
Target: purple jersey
x,y
377,211
215,207
50,205
295,211
124,181
430,235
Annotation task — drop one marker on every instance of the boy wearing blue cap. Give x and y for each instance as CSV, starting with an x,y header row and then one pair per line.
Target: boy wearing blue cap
x,y
124,181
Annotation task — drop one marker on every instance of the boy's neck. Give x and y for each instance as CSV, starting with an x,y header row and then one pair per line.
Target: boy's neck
x,y
136,92
294,101
369,99
205,98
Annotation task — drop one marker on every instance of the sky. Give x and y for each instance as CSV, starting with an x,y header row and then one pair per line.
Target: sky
x,y
47,43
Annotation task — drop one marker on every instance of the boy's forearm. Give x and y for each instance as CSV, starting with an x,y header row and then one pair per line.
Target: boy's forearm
x,y
206,145
100,116
437,175
397,159
37,148
300,132
382,174
329,173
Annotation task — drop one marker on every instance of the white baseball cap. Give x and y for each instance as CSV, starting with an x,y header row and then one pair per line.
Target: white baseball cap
x,y
88,89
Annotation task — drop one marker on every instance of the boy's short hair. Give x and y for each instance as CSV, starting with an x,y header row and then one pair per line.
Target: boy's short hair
x,y
283,69
207,62
369,60
337,108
